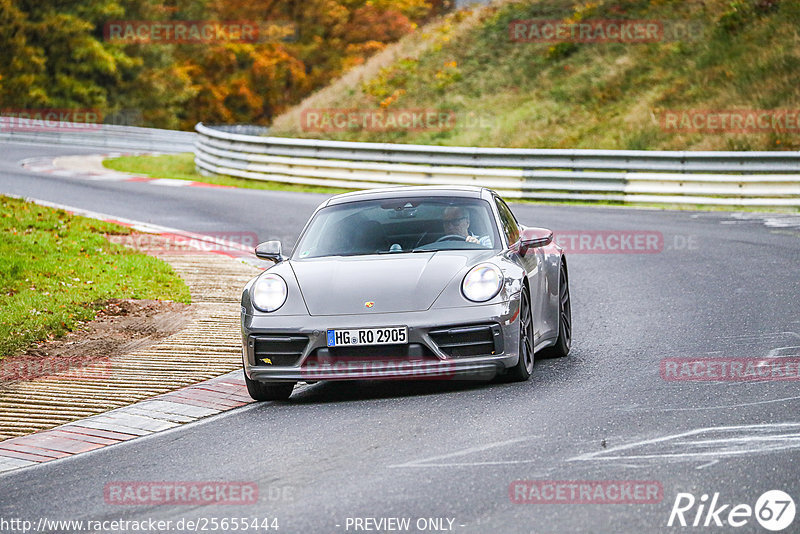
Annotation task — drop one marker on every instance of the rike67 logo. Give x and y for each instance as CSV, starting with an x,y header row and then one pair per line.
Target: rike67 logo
x,y
774,510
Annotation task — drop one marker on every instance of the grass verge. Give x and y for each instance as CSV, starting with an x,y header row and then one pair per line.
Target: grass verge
x,y
181,167
56,269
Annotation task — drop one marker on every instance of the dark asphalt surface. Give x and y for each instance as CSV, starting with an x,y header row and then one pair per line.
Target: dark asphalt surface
x,y
725,285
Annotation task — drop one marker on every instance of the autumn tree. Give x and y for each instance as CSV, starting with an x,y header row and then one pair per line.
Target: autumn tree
x,y
55,55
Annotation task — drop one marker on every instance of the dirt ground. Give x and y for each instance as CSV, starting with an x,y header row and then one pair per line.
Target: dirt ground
x,y
121,326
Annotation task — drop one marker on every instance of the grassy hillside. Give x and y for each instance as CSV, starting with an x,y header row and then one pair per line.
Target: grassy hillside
x,y
743,55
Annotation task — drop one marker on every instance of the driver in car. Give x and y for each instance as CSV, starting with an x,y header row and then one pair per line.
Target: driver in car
x,y
456,222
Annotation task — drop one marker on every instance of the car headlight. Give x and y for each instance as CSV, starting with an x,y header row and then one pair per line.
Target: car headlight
x,y
269,292
482,283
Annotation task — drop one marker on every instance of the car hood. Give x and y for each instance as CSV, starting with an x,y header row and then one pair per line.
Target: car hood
x,y
392,283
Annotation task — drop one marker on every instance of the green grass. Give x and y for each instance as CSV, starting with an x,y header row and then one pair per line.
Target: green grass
x,y
181,167
56,270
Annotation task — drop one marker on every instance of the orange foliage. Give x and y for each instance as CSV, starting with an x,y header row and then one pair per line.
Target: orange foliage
x,y
370,24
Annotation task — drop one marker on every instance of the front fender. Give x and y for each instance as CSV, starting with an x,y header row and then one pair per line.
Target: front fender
x,y
294,305
452,297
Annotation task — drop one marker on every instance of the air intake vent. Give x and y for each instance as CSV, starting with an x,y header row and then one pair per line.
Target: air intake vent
x,y
410,352
279,350
477,340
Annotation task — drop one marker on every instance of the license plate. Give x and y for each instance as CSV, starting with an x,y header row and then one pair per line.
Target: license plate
x,y
394,335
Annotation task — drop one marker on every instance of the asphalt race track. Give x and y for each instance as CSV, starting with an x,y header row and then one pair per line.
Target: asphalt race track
x,y
722,285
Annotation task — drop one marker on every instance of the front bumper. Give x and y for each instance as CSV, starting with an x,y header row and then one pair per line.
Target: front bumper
x,y
435,365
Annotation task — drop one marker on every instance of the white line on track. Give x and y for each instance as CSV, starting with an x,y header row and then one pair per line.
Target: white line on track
x,y
724,406
424,462
733,441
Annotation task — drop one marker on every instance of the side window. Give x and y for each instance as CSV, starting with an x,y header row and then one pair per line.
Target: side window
x,y
510,226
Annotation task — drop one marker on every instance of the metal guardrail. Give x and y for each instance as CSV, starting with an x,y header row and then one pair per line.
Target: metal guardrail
x,y
726,178
723,178
97,135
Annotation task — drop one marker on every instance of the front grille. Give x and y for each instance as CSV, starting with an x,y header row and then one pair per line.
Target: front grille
x,y
412,351
283,350
476,340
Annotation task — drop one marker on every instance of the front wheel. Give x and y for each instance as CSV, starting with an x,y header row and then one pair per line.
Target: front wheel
x,y
564,341
522,371
268,391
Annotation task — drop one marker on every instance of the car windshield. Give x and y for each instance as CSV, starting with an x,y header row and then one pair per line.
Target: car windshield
x,y
399,226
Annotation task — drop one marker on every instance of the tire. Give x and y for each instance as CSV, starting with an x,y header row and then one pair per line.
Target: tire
x,y
564,340
522,371
268,391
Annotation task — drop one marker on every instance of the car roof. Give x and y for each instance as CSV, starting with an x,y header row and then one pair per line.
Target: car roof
x,y
468,191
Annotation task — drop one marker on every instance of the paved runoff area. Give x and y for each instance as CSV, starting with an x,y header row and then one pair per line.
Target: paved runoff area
x,y
141,419
91,168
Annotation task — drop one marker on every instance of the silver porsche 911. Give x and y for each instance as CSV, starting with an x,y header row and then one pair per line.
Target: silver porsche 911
x,y
406,283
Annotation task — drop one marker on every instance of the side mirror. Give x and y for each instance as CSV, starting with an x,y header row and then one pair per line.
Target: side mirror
x,y
533,238
270,250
